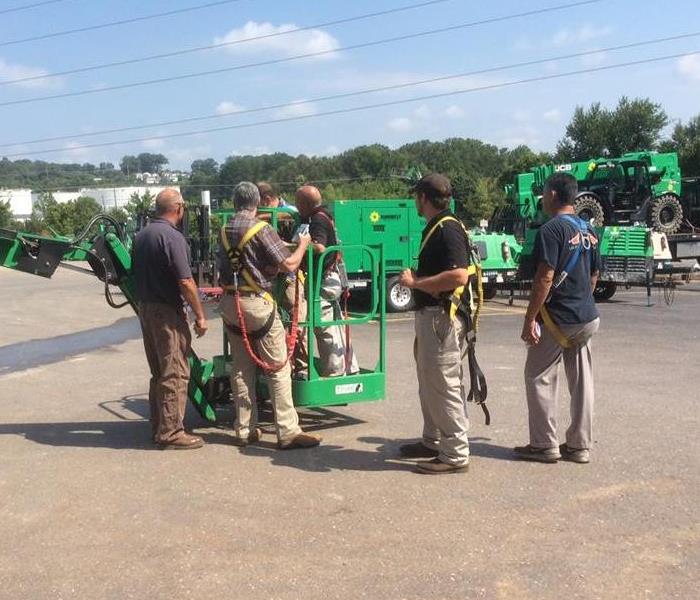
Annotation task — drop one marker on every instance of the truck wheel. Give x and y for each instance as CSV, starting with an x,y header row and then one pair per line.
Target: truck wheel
x,y
489,291
398,297
666,214
604,290
589,208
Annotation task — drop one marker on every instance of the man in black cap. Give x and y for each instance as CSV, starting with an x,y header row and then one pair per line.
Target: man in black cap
x,y
440,344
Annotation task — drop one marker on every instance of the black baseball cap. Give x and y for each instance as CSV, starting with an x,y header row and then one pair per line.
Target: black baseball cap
x,y
433,185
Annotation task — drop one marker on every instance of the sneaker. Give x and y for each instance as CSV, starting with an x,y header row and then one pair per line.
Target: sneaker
x,y
437,467
301,440
417,450
577,455
545,455
253,436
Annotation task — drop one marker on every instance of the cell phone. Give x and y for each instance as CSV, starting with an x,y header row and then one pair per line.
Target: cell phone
x,y
303,229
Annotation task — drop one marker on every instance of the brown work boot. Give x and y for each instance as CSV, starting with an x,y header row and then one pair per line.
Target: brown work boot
x,y
300,440
417,450
437,467
253,436
543,455
184,442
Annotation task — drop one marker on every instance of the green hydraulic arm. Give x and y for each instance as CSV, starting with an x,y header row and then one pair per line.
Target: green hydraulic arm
x,y
110,261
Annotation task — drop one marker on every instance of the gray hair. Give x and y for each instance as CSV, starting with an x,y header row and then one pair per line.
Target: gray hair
x,y
246,196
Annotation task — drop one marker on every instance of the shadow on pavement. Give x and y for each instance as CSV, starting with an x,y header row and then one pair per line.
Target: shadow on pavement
x,y
478,446
35,353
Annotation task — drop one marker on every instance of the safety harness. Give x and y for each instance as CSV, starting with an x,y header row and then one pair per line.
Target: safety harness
x,y
461,301
250,285
585,244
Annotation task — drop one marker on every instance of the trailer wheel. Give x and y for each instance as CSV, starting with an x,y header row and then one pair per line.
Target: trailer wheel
x,y
604,290
489,291
399,298
666,214
589,208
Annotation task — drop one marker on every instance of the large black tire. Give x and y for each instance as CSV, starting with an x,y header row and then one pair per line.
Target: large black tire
x,y
604,290
590,209
398,297
490,291
666,214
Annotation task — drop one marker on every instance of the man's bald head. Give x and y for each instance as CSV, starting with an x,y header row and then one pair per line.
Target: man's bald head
x,y
168,202
308,197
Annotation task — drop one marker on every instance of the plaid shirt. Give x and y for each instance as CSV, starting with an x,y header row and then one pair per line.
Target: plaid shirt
x,y
263,252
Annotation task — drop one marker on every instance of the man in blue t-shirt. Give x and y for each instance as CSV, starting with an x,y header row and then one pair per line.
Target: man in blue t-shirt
x,y
560,321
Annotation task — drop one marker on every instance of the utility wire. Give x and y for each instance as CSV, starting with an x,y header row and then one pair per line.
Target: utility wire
x,y
365,107
355,93
276,34
299,56
4,11
65,32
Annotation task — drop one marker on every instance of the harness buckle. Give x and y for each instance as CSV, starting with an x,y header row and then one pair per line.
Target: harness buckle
x,y
235,281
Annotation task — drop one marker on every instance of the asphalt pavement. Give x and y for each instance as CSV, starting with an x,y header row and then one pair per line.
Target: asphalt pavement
x,y
88,509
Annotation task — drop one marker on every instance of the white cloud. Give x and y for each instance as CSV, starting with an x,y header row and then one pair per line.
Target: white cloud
x,y
331,150
689,67
251,151
400,124
291,44
76,151
454,112
552,116
423,112
522,116
154,143
300,108
10,72
226,107
584,33
593,60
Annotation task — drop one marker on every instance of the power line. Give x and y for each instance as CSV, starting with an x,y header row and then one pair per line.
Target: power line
x,y
359,92
65,32
299,56
365,107
4,11
276,34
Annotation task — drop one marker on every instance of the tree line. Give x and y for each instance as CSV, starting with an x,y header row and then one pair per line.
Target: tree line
x,y
479,171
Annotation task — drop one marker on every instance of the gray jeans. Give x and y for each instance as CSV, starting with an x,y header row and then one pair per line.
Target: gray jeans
x,y
542,386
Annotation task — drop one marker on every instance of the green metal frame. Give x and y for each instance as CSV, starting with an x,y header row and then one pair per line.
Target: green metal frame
x,y
368,384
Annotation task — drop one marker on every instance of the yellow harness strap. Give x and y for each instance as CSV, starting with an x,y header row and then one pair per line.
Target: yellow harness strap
x,y
250,283
472,270
554,329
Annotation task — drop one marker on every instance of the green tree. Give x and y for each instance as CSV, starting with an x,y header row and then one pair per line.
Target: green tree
x,y
686,141
140,205
633,125
5,214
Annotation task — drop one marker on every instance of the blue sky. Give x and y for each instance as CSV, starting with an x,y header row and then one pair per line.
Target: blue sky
x,y
534,114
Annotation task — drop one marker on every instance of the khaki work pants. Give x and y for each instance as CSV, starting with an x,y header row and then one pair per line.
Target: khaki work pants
x,y
166,339
272,348
330,340
440,349
542,386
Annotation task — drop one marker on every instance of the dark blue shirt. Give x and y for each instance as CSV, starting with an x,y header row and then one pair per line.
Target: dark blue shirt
x,y
572,302
160,259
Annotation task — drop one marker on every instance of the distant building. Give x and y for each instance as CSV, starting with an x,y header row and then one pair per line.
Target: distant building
x,y
22,200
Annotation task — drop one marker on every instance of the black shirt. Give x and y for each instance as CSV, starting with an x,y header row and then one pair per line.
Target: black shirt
x,y
160,259
445,250
572,302
322,231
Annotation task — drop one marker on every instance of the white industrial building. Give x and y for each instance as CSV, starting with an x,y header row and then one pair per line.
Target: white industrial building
x,y
22,200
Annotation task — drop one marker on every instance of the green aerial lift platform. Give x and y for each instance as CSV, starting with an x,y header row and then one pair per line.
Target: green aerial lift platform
x,y
110,260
